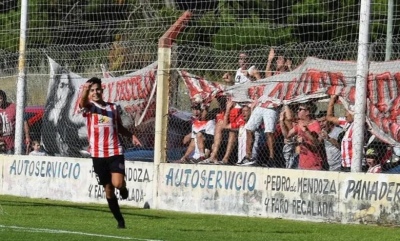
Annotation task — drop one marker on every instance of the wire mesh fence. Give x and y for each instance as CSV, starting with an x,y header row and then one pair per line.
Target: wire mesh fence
x,y
123,36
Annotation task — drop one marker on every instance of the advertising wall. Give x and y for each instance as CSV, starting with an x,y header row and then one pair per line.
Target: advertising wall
x,y
280,193
229,190
70,179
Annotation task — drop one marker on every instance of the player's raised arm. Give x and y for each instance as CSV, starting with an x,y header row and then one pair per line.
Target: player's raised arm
x,y
84,101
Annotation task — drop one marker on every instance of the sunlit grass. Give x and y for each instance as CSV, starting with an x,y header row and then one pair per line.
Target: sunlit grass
x,y
94,222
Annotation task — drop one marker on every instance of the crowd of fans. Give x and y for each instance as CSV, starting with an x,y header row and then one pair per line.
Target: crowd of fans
x,y
259,132
270,134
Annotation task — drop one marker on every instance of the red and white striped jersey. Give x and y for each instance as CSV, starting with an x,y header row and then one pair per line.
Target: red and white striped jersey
x,y
375,169
347,142
102,125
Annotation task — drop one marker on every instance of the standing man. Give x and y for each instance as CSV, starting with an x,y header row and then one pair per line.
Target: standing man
x,y
8,118
329,135
244,74
104,124
346,123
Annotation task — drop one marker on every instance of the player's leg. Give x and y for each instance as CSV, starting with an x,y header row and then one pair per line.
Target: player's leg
x,y
117,170
102,169
113,205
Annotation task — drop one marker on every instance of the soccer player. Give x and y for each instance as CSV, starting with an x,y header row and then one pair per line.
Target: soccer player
x,y
104,124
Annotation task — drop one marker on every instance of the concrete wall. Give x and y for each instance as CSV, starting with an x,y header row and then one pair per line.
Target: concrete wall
x,y
280,193
229,190
70,179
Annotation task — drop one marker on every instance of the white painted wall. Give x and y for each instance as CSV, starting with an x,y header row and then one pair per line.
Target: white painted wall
x,y
229,190
280,193
70,179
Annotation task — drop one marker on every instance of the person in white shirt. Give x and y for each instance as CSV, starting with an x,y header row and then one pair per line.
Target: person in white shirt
x,y
201,138
330,135
37,149
245,73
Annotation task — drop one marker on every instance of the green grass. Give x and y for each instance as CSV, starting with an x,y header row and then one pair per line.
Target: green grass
x,y
40,219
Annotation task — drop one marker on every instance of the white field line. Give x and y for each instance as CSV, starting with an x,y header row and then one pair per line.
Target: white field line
x,y
44,230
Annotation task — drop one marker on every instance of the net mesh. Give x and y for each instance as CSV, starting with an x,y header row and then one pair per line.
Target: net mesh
x,y
123,36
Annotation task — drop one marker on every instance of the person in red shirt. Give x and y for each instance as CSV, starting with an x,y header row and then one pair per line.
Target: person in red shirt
x,y
8,118
104,126
238,125
307,130
223,118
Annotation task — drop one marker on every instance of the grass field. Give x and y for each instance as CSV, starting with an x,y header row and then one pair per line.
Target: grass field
x,y
39,219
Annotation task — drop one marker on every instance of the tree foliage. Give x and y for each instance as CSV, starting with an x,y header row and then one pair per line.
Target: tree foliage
x,y
222,25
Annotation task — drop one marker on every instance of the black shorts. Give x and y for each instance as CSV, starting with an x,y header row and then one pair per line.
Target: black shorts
x,y
103,167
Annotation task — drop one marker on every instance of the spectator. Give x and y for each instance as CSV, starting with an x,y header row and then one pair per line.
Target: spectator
x,y
312,153
220,128
372,159
392,165
192,151
203,131
202,135
281,65
238,125
245,73
36,149
8,118
286,121
265,111
330,134
346,143
384,152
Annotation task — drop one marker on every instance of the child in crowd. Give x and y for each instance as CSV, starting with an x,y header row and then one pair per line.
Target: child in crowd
x,y
36,149
372,158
